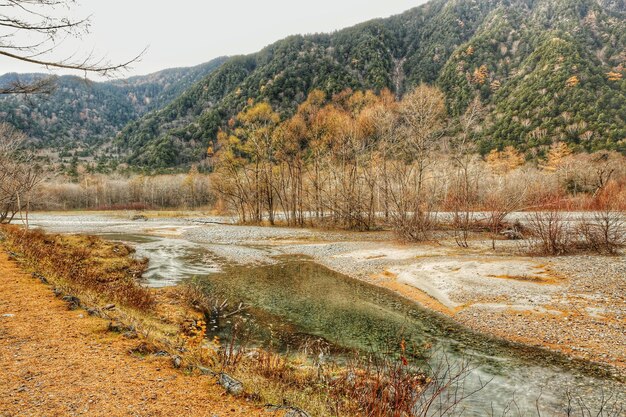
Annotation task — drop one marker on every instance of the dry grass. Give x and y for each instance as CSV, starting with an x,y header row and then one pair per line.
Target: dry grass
x,y
83,263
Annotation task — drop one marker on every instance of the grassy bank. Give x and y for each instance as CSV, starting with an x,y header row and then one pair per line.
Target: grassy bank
x,y
91,273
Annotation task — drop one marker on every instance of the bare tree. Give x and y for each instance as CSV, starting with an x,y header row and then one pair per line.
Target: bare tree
x,y
32,30
502,196
422,117
605,232
18,175
550,229
463,155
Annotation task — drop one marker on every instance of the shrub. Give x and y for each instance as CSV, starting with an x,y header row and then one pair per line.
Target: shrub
x,y
550,230
606,232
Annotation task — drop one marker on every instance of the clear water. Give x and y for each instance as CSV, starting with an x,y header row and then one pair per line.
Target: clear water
x,y
296,299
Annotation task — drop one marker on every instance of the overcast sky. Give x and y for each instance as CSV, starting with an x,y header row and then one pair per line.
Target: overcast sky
x,y
189,32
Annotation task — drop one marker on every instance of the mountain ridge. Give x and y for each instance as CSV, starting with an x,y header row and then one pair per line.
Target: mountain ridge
x,y
83,113
467,48
545,70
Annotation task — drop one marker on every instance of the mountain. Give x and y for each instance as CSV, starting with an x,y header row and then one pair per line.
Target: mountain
x,y
84,114
546,70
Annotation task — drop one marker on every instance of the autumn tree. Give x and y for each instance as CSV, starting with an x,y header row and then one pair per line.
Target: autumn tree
x,y
232,182
462,153
506,160
572,81
256,125
556,155
291,142
422,118
480,75
386,114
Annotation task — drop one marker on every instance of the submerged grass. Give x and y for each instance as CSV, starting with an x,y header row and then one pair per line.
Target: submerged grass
x,y
173,320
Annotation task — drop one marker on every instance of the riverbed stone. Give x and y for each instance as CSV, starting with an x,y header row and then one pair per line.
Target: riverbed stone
x,y
231,385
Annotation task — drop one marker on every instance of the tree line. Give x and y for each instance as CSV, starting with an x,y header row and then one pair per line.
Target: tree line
x,y
360,160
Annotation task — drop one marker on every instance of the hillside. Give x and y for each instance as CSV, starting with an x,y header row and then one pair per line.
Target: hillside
x,y
547,70
84,114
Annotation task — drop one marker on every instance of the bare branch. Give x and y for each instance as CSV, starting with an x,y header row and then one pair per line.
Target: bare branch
x,y
40,20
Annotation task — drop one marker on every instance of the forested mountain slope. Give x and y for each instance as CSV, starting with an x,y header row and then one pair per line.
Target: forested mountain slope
x,y
545,70
82,114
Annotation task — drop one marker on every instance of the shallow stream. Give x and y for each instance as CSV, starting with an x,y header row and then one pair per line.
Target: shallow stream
x,y
295,301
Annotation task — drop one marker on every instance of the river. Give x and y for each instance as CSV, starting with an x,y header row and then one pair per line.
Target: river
x,y
293,299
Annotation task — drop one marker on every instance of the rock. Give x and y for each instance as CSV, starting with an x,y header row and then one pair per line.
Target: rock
x,y
72,302
230,384
94,312
252,354
296,412
512,234
205,371
8,315
177,361
115,327
40,278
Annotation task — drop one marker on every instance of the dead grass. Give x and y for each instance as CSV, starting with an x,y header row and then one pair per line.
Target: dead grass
x,y
60,362
174,320
83,263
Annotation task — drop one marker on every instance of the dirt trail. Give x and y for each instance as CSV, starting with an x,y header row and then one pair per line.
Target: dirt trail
x,y
55,362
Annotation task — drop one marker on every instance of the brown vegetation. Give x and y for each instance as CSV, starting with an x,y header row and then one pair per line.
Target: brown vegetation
x,y
18,175
63,362
363,161
115,192
83,263
90,272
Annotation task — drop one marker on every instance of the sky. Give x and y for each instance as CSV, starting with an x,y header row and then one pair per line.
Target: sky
x,y
189,32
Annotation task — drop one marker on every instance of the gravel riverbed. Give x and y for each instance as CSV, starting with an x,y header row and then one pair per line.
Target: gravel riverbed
x,y
573,304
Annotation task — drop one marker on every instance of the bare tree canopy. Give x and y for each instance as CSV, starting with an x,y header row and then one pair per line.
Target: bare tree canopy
x,y
18,174
31,30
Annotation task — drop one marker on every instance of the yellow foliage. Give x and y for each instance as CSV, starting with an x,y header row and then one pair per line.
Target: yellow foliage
x,y
505,160
614,76
572,81
480,75
556,154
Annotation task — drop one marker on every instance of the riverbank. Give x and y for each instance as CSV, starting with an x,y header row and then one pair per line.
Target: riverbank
x,y
57,361
574,305
168,326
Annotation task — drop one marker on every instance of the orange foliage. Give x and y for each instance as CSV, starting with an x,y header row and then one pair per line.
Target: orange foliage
x,y
572,81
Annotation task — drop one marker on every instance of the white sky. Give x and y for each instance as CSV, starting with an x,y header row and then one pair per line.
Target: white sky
x,y
189,32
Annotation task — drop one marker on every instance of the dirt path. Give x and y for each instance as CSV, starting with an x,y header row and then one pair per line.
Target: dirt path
x,y
55,362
